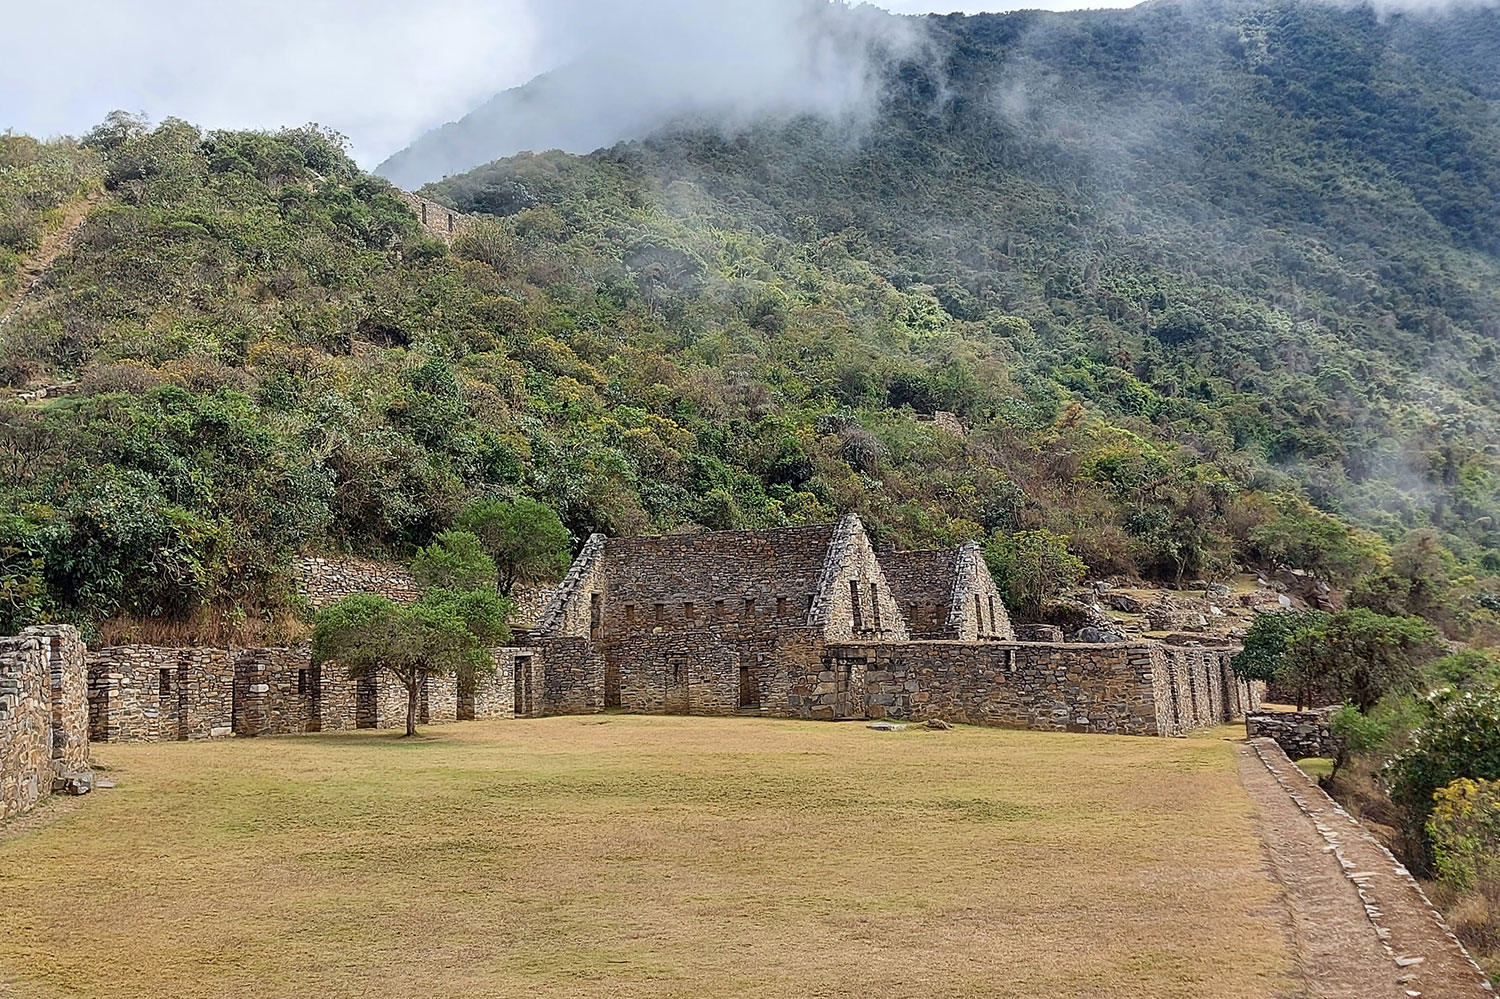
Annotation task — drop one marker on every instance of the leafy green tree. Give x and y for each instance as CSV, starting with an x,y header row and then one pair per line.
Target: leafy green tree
x,y
1458,738
1031,568
526,540
1305,538
1356,656
1356,733
443,633
456,560
1263,656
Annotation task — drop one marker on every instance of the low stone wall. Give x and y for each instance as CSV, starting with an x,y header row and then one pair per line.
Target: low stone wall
x,y
1300,734
327,579
1073,688
43,717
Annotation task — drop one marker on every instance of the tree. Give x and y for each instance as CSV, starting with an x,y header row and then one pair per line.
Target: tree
x,y
1354,656
456,560
1263,656
526,540
1306,538
447,631
1032,567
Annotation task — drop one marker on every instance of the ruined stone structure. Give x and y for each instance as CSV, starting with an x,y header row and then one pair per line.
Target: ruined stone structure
x,y
948,595
804,622
809,622
141,693
439,221
44,743
1300,734
327,579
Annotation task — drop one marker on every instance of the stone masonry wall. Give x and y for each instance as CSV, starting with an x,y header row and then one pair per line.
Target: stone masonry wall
x,y
1075,688
142,693
1300,734
68,690
25,724
43,717
276,692
852,568
328,579
439,221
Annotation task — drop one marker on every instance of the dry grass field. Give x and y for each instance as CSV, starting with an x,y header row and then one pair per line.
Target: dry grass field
x,y
629,856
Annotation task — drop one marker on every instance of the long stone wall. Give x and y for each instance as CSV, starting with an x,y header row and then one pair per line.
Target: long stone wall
x,y
1073,688
43,718
327,579
143,693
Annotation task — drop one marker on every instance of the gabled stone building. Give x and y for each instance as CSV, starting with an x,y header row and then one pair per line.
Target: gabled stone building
x,y
948,594
810,622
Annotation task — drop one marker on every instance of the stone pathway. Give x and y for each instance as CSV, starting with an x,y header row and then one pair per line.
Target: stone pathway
x,y
1359,924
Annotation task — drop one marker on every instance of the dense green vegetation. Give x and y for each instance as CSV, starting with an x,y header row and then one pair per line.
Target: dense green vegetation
x,y
36,178
1206,286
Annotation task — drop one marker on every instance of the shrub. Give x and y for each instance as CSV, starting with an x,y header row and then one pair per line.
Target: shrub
x,y
1459,738
1465,833
1032,567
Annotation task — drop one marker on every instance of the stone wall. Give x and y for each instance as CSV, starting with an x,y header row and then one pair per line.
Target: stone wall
x,y
1300,734
25,724
155,694
43,717
1198,687
854,599
144,693
276,692
1073,688
439,221
68,691
327,579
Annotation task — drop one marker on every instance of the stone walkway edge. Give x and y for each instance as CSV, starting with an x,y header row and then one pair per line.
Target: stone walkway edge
x,y
1377,889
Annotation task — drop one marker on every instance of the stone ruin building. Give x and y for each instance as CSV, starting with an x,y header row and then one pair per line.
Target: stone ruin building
x,y
803,622
812,622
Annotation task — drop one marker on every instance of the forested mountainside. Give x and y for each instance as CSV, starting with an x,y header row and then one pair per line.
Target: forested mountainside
x,y
1204,285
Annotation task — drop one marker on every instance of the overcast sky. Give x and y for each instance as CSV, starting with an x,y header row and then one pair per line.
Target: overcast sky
x,y
380,71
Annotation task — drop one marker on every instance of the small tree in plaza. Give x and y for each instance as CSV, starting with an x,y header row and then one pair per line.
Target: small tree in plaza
x,y
445,632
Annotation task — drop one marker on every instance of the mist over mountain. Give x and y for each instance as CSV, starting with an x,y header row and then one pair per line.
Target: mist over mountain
x,y
627,68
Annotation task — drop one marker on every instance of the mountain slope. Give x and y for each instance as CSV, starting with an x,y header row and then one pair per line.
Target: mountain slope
x,y
1203,285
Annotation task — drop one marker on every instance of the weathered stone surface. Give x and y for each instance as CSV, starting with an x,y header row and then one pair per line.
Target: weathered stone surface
x,y
1300,734
1122,602
43,717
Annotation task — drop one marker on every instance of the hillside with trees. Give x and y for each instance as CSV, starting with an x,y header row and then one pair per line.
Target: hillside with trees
x,y
1206,287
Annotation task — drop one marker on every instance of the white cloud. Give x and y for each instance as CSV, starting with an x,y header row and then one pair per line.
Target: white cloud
x,y
381,71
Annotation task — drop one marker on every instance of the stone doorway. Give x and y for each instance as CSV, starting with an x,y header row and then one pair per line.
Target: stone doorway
x,y
749,686
611,683
676,699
